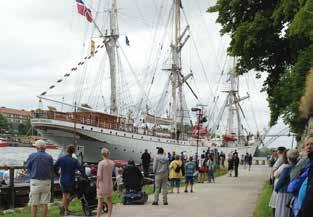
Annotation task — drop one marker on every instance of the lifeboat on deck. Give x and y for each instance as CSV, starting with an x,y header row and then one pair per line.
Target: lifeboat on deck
x,y
229,138
51,146
3,144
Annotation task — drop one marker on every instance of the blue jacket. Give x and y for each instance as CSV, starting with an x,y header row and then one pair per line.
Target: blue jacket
x,y
40,166
284,179
295,184
68,166
298,188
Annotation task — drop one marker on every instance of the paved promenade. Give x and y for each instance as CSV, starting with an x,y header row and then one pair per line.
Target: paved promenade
x,y
228,197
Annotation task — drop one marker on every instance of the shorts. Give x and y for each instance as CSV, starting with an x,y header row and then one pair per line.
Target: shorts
x,y
189,180
40,192
175,183
66,189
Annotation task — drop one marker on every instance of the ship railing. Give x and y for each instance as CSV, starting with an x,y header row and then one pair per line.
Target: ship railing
x,y
11,189
93,121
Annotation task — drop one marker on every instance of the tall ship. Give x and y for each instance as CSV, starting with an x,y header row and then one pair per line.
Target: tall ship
x,y
127,130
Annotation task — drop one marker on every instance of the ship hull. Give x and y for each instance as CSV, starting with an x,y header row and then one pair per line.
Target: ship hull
x,y
122,145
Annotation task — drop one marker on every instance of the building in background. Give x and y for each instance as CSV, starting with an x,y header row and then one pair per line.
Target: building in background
x,y
15,117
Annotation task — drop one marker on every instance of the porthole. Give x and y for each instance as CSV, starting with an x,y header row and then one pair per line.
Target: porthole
x,y
82,127
110,132
116,133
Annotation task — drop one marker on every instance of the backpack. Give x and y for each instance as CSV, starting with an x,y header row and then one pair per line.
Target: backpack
x,y
177,169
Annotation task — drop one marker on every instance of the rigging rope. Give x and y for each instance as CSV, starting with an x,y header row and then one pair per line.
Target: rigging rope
x,y
251,104
198,54
132,70
158,54
73,70
99,78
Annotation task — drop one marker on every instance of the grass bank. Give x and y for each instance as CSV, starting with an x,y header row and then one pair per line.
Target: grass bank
x,y
76,206
262,208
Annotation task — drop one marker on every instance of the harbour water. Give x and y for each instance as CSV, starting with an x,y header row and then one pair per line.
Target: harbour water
x,y
16,156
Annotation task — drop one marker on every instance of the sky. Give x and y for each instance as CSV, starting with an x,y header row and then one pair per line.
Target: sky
x,y
42,41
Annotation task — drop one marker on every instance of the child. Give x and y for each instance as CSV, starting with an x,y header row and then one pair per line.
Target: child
x,y
119,180
210,165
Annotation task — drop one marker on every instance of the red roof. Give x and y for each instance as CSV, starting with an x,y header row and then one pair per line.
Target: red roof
x,y
4,110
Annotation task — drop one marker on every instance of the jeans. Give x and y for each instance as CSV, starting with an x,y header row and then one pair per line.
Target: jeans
x,y
160,184
211,175
145,170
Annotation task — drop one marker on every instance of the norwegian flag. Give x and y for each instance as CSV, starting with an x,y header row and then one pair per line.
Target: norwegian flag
x,y
84,10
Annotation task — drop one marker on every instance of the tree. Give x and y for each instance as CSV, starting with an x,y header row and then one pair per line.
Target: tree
x,y
274,36
4,125
23,129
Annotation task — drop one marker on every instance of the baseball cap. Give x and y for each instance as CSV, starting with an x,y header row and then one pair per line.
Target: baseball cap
x,y
40,144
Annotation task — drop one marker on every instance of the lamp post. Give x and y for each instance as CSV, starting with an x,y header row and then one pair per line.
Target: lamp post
x,y
198,134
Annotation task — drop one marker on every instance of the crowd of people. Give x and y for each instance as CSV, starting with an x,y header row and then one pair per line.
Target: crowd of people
x,y
172,168
175,167
169,167
291,178
42,170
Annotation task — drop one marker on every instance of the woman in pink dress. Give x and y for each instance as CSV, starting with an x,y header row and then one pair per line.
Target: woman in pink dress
x,y
104,182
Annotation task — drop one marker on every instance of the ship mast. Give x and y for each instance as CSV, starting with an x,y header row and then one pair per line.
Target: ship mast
x,y
111,48
233,101
176,74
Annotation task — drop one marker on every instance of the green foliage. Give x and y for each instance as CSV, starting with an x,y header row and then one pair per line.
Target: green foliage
x,y
274,36
302,24
262,208
24,129
263,152
3,122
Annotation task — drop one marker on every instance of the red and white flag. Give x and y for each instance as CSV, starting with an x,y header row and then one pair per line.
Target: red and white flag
x,y
84,10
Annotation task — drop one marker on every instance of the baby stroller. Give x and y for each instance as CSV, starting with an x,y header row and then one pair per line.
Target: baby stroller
x,y
133,182
87,193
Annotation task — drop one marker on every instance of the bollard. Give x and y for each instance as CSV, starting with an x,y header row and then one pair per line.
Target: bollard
x,y
12,191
